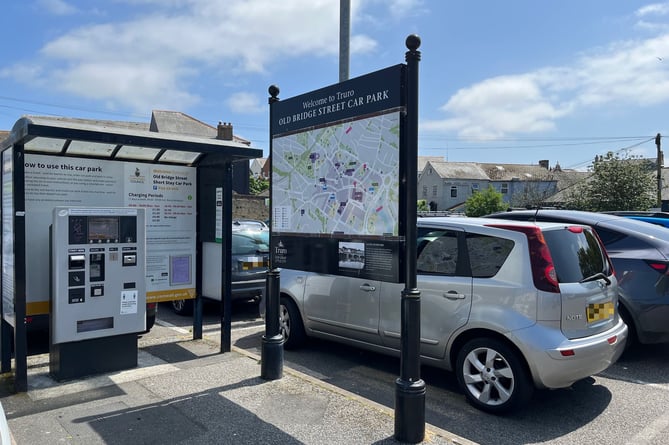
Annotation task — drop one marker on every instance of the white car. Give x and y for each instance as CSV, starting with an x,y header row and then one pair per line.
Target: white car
x,y
508,306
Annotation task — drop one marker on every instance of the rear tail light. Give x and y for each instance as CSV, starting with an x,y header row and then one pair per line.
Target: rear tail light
x,y
543,270
659,266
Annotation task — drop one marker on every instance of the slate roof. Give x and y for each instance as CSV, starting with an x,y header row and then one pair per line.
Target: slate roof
x,y
458,170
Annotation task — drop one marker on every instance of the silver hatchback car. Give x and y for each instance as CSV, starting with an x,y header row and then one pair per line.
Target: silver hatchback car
x,y
508,306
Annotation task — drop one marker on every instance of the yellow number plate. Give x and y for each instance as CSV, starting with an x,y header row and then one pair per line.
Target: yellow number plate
x,y
600,311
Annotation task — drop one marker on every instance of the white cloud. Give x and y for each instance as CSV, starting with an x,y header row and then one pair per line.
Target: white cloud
x,y
57,7
246,103
626,73
653,9
157,55
497,106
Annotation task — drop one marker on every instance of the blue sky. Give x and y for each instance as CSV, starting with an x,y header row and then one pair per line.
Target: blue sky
x,y
515,81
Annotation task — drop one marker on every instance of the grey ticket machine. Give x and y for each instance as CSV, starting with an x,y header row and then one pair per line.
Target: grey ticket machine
x,y
98,291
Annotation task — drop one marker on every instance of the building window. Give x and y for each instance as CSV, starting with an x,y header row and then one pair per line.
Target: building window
x,y
425,191
454,191
434,190
504,189
475,188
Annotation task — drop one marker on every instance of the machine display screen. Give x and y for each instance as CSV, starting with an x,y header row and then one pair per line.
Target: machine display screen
x,y
103,229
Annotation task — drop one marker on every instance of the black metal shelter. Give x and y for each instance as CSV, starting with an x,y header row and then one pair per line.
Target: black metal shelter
x,y
213,158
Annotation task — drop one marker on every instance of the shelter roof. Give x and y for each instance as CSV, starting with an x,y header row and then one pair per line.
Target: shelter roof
x,y
124,141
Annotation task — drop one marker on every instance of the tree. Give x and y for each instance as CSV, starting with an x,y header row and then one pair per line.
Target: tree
x,y
421,206
485,202
618,182
258,185
533,194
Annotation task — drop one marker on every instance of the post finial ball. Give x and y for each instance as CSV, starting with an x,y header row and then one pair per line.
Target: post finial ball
x,y
413,42
273,90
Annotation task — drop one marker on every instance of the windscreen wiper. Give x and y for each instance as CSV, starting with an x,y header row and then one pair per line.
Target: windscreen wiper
x,y
597,276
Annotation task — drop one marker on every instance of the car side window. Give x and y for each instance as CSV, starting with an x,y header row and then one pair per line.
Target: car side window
x,y
487,254
438,252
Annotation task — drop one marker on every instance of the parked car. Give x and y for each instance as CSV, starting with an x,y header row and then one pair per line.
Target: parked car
x,y
640,255
508,307
657,220
249,224
249,262
151,310
650,213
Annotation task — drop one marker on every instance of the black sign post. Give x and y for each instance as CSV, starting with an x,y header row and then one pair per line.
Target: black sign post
x,y
409,388
343,202
272,342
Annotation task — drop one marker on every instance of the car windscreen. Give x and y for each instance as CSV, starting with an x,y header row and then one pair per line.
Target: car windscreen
x,y
251,242
576,254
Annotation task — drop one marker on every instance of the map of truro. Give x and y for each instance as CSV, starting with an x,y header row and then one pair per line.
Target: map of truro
x,y
341,179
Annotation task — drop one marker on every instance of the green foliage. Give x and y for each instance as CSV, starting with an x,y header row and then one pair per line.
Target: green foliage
x,y
617,183
485,202
421,206
258,185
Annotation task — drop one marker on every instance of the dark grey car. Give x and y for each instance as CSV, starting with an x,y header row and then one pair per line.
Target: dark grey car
x,y
640,255
249,262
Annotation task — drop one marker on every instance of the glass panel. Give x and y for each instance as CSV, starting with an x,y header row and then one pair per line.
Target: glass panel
x,y
185,157
133,152
487,254
438,253
50,145
90,148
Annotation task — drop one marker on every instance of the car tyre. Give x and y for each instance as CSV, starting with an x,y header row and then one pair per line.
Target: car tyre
x,y
493,376
182,307
631,330
290,324
150,321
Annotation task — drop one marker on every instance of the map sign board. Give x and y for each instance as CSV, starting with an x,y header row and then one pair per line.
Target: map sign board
x,y
335,196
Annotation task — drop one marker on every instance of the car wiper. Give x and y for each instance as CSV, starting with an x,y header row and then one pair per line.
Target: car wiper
x,y
597,276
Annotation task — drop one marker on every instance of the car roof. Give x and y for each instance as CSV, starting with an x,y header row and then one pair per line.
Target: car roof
x,y
629,226
464,221
639,213
660,221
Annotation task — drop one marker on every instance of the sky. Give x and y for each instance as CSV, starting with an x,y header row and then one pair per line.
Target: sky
x,y
500,81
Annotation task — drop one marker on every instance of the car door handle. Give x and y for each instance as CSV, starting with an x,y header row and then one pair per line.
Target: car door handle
x,y
367,288
453,295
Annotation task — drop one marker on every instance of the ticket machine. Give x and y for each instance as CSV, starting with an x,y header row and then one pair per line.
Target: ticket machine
x,y
98,291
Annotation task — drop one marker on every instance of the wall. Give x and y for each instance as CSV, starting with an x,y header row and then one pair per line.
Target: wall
x,y
249,206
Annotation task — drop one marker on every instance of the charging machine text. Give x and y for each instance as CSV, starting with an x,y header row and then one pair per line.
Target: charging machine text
x,y
98,290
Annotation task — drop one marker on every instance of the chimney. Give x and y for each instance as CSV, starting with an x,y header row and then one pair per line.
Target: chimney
x,y
224,131
544,163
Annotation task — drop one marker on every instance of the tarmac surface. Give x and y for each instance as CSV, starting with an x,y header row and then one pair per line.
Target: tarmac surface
x,y
185,391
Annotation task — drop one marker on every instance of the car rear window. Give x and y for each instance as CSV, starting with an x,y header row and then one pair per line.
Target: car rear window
x,y
250,242
576,254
